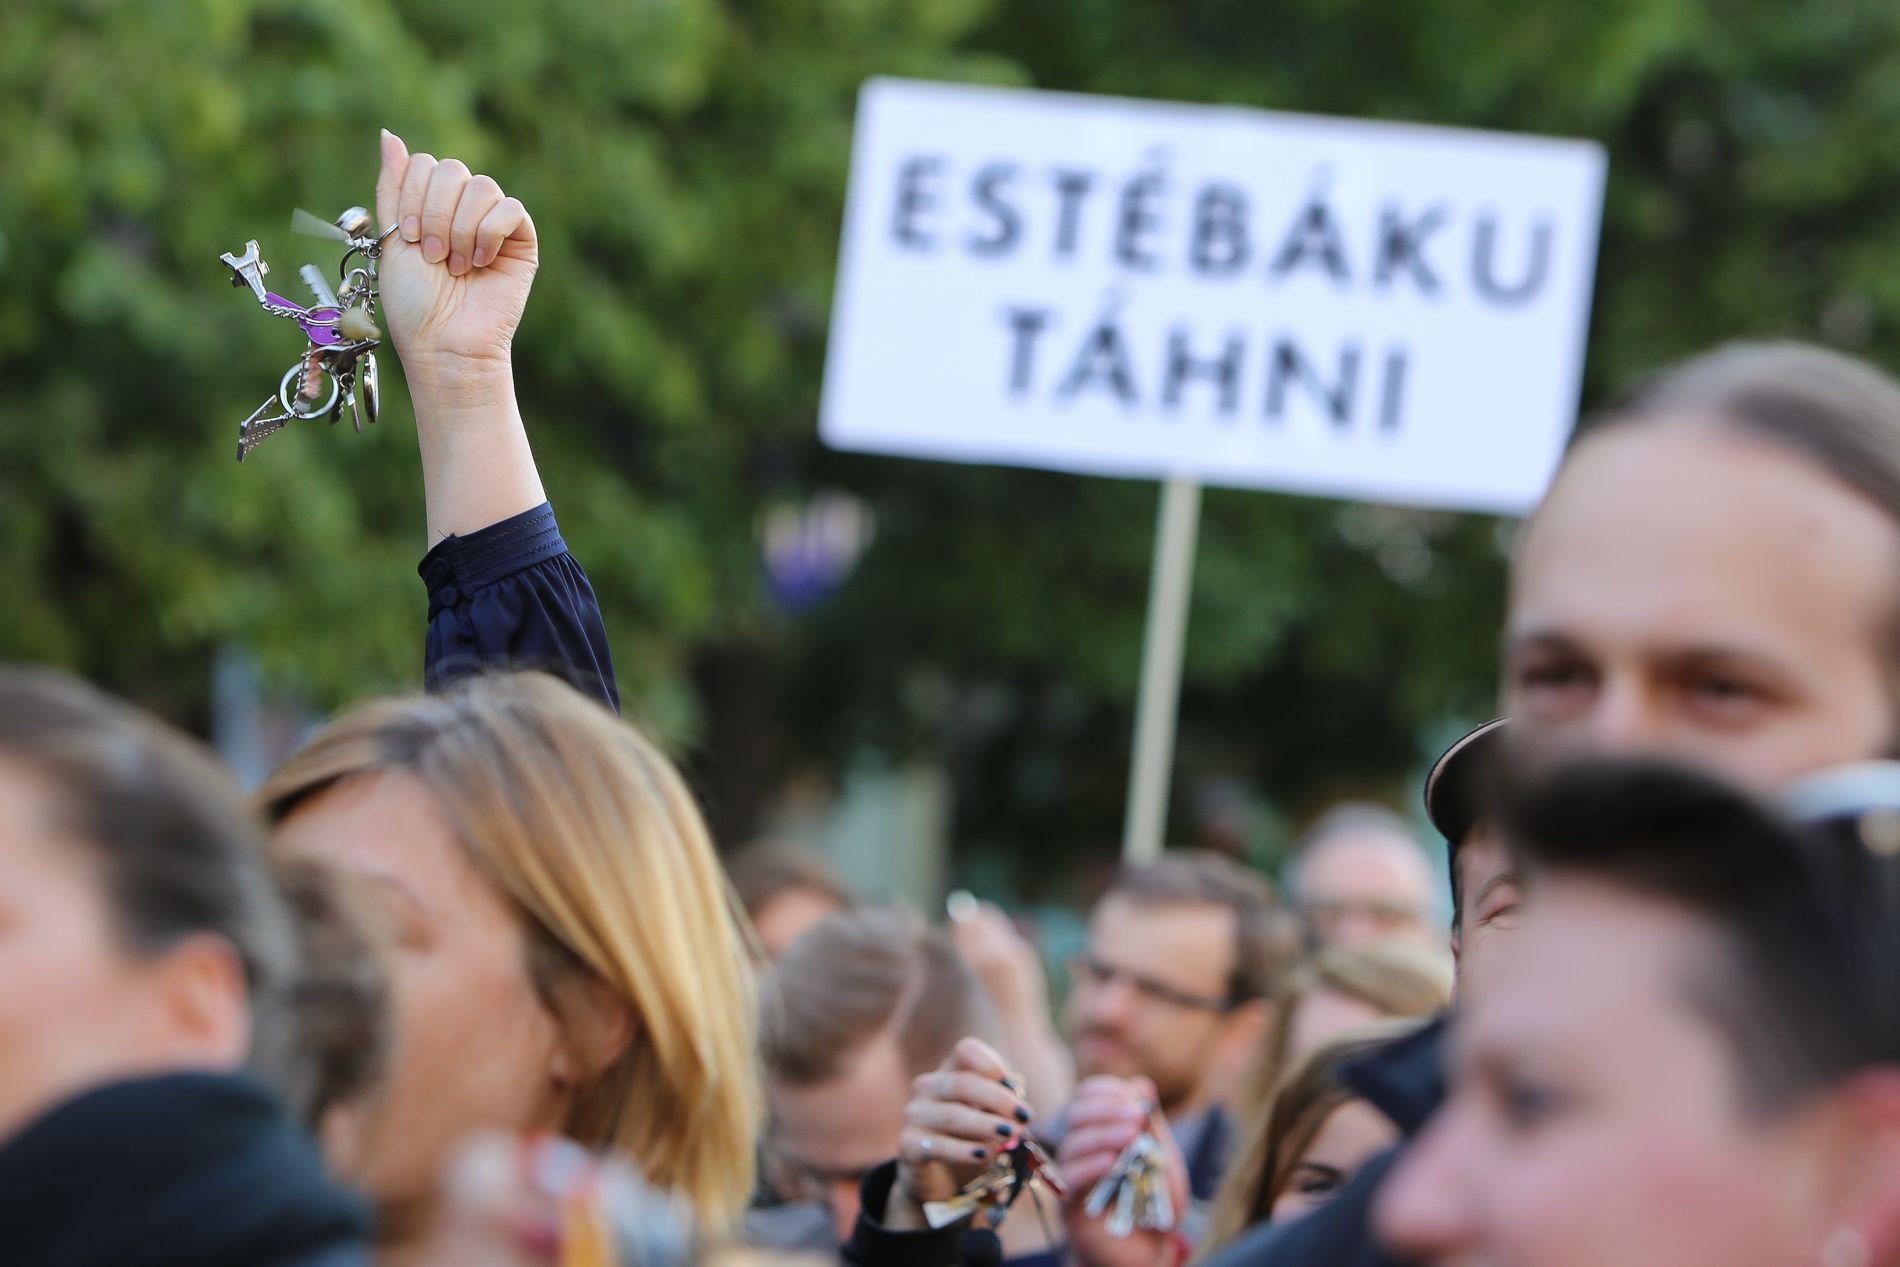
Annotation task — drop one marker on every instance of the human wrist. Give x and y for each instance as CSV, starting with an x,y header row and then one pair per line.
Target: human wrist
x,y
903,1212
449,383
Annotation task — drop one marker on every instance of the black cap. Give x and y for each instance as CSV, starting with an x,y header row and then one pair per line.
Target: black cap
x,y
1454,789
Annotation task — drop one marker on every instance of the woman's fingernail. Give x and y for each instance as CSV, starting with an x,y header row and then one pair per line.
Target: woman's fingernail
x,y
480,259
433,249
1003,1129
1022,1114
458,263
411,228
979,1153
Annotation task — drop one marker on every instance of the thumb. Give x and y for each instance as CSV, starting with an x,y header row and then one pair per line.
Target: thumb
x,y
389,179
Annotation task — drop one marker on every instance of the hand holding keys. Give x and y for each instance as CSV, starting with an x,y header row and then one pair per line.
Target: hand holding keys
x,y
1130,1179
1137,1187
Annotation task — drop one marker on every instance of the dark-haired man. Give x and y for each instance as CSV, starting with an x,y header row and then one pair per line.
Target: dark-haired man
x,y
1689,1057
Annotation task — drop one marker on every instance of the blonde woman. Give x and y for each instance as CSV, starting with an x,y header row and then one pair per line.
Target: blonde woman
x,y
1333,992
565,953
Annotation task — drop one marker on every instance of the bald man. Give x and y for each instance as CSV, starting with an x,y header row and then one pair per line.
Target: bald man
x,y
1360,876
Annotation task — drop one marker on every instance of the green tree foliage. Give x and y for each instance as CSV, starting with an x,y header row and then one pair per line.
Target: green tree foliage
x,y
685,160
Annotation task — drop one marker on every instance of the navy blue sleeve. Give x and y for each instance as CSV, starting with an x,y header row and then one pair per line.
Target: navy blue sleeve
x,y
511,597
874,1245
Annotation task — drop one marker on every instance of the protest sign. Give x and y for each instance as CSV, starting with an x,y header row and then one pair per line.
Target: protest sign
x,y
1372,310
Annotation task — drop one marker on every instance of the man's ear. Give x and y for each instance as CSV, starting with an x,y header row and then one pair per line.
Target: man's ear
x,y
596,1028
1861,1167
200,1005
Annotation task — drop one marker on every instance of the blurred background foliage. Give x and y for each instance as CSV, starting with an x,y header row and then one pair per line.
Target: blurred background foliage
x,y
685,163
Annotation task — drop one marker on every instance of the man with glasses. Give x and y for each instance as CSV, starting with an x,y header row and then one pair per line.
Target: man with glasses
x,y
1182,955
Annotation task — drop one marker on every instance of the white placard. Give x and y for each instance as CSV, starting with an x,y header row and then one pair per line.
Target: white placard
x,y
1372,310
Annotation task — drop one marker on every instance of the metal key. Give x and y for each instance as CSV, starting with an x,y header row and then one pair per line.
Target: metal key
x,y
372,393
1137,1187
341,329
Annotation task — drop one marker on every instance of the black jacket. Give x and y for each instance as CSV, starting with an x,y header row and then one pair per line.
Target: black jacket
x,y
874,1245
1406,1082
182,1170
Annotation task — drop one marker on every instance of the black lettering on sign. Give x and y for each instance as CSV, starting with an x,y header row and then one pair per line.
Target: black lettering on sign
x,y
1402,247
1008,222
1102,362
1137,219
1025,324
1484,264
1222,370
1287,364
1314,236
913,200
1220,247
1071,187
1392,398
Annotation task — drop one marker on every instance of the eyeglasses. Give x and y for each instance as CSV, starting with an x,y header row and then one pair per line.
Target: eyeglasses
x,y
1086,970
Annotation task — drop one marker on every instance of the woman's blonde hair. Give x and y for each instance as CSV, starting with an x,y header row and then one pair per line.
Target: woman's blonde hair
x,y
1393,977
592,833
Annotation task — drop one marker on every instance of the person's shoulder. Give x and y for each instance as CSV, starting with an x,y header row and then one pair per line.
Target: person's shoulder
x,y
1404,1079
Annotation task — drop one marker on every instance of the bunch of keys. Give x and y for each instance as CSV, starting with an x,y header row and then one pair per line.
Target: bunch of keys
x,y
1025,1167
340,326
1137,1186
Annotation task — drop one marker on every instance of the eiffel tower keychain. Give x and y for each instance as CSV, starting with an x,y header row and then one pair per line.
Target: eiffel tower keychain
x,y
339,360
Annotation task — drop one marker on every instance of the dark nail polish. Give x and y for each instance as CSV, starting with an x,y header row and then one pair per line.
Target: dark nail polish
x,y
1002,1128
1022,1115
979,1153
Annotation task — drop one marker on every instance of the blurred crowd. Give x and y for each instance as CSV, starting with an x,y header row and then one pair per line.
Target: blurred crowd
x,y
466,982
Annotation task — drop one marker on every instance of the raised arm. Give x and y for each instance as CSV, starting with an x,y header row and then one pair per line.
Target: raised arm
x,y
503,590
455,281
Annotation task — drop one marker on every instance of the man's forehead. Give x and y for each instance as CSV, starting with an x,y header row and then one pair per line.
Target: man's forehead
x,y
1122,912
1680,527
856,1111
1588,951
1483,862
1351,859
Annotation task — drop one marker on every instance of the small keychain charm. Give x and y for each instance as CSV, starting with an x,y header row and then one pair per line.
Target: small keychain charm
x,y
339,361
